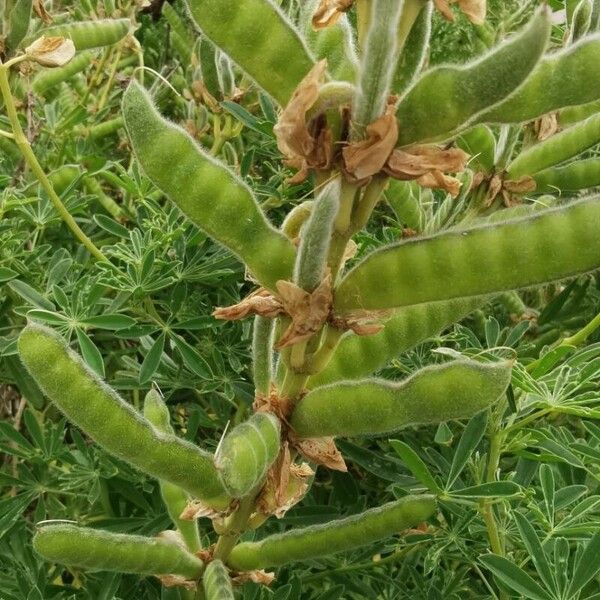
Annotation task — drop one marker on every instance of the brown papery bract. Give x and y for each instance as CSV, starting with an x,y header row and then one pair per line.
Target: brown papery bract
x,y
474,10
329,12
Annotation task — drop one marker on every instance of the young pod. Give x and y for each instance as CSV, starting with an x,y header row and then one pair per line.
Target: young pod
x,y
358,356
404,198
465,91
48,78
17,23
578,175
556,149
480,143
207,191
568,77
112,423
336,536
262,354
549,245
259,38
573,114
98,550
88,34
455,390
247,452
216,581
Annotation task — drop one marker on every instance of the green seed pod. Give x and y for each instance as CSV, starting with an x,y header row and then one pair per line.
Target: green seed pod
x,y
208,67
466,91
416,48
336,536
112,423
574,114
359,356
581,22
102,130
377,65
519,211
259,38
549,245
566,78
480,143
88,34
99,550
18,24
455,390
578,175
48,78
404,197
63,177
556,149
247,452
207,191
175,498
513,303
180,35
334,43
315,238
217,584
262,354
296,218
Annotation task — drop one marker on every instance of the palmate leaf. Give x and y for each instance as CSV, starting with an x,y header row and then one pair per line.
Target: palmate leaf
x,y
514,577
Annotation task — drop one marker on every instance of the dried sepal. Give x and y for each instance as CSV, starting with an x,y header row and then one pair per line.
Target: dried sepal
x,y
41,12
260,302
328,12
321,451
51,51
508,190
474,10
546,126
259,576
196,509
176,581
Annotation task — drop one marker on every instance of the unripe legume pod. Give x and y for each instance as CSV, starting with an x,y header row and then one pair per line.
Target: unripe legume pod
x,y
556,149
99,411
262,354
404,197
551,244
88,34
566,78
48,78
336,536
174,497
359,356
578,175
247,452
216,581
259,38
574,114
581,22
480,143
455,390
98,550
17,23
315,238
101,130
207,191
466,91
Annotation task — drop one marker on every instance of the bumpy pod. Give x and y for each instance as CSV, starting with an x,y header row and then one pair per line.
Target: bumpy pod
x,y
98,550
574,114
578,175
359,356
48,78
336,536
174,497
566,78
549,245
99,411
259,38
88,34
247,452
480,143
316,237
465,91
404,197
207,191
455,390
556,149
216,581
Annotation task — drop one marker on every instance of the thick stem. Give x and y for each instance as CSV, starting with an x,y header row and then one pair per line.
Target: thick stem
x,y
36,169
235,527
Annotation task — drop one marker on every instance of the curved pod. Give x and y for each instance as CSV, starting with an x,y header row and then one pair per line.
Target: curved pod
x,y
455,390
578,175
98,550
549,245
88,34
337,536
112,423
216,581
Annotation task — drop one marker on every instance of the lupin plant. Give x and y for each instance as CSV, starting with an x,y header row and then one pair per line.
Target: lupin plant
x,y
364,117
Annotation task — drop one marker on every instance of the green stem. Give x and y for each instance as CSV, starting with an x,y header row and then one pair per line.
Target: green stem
x,y
235,527
30,158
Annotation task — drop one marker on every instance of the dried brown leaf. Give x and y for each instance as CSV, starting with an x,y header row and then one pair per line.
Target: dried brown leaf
x,y
41,12
329,12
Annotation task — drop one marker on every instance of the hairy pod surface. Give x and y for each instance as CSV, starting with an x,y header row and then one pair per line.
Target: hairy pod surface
x,y
404,198
574,114
566,78
216,581
99,550
480,143
358,356
112,423
578,175
316,236
466,91
17,23
247,452
259,38
556,149
549,245
336,536
88,34
262,354
207,191
455,390
48,78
